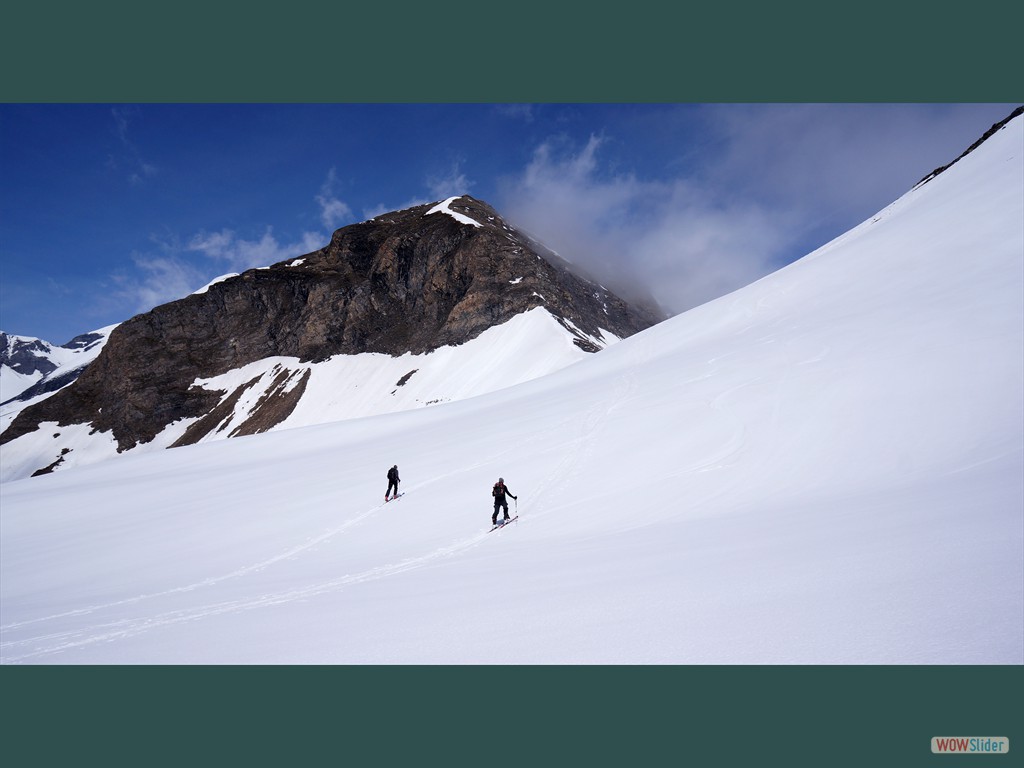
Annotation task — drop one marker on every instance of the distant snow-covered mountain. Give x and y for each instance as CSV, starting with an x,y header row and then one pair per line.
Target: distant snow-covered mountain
x,y
32,369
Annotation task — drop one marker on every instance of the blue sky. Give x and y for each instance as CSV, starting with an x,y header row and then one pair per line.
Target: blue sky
x,y
109,210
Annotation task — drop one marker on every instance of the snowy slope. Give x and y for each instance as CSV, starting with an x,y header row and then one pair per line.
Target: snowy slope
x,y
13,383
823,467
530,345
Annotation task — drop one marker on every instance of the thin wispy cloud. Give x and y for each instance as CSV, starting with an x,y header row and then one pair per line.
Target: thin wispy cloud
x,y
178,268
156,279
524,112
120,115
129,159
381,208
446,185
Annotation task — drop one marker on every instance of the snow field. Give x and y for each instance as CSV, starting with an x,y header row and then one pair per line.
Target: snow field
x,y
823,468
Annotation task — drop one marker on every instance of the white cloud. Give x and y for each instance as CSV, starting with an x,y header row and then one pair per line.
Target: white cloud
x,y
333,212
181,266
835,164
752,188
239,254
213,244
663,238
158,279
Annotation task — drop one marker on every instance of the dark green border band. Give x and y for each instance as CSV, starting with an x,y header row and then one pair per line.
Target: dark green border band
x,y
514,52
515,716
526,51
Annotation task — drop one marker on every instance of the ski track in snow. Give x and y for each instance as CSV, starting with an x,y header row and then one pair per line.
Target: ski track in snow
x,y
285,555
124,628
58,642
575,453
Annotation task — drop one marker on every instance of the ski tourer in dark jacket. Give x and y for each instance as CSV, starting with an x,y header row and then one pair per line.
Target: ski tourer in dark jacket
x,y
393,480
499,492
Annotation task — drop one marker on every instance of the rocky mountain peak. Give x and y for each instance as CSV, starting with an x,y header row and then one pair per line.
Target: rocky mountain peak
x,y
439,274
409,281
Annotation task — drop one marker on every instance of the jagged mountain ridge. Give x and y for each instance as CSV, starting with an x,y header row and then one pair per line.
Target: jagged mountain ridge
x,y
412,281
33,367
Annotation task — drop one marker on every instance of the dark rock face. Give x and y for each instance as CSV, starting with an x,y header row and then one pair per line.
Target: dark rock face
x,y
83,342
403,282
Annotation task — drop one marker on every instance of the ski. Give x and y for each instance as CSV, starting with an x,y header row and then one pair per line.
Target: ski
x,y
397,496
503,523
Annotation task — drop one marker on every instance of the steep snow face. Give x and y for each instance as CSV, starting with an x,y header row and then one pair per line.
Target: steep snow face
x,y
13,383
823,467
344,387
